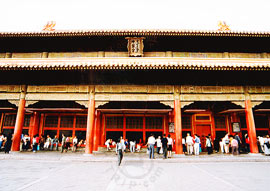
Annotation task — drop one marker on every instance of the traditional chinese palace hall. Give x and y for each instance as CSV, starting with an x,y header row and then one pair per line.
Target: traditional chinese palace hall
x,y
102,84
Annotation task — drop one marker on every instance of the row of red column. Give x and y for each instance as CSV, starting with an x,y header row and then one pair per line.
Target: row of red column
x,y
249,120
93,126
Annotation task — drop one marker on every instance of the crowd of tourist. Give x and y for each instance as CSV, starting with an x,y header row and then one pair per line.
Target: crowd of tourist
x,y
192,145
40,143
229,144
131,146
163,146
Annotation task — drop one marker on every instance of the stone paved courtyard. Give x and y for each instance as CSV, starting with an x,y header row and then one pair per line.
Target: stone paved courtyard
x,y
52,172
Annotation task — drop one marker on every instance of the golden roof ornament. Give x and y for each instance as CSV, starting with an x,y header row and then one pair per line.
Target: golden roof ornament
x,y
49,26
223,26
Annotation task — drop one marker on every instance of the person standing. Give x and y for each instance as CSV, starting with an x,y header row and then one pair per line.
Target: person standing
x,y
120,149
208,145
267,146
226,143
189,142
261,140
74,144
35,143
237,138
47,143
1,140
184,145
132,146
63,143
216,145
158,140
234,144
151,144
221,145
197,145
247,146
164,142
41,143
170,146
8,143
55,141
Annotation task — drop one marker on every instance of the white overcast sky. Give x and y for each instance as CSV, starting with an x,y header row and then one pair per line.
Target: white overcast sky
x,y
32,15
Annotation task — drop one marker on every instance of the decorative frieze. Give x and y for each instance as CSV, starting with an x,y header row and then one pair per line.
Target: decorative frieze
x,y
212,89
58,89
57,96
134,89
212,97
134,97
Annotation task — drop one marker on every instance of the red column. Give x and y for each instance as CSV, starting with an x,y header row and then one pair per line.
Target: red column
x,y
19,124
97,131
90,124
34,125
103,132
178,127
251,127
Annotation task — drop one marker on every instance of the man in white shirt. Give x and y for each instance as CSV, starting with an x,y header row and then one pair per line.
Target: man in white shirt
x,y
261,141
132,146
151,145
197,145
189,142
158,140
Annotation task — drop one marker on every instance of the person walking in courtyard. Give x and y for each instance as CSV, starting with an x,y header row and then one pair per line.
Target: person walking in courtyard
x,y
189,142
164,142
151,144
197,145
120,150
170,146
159,145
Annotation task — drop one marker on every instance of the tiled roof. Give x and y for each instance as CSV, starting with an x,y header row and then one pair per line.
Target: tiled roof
x,y
62,33
134,63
